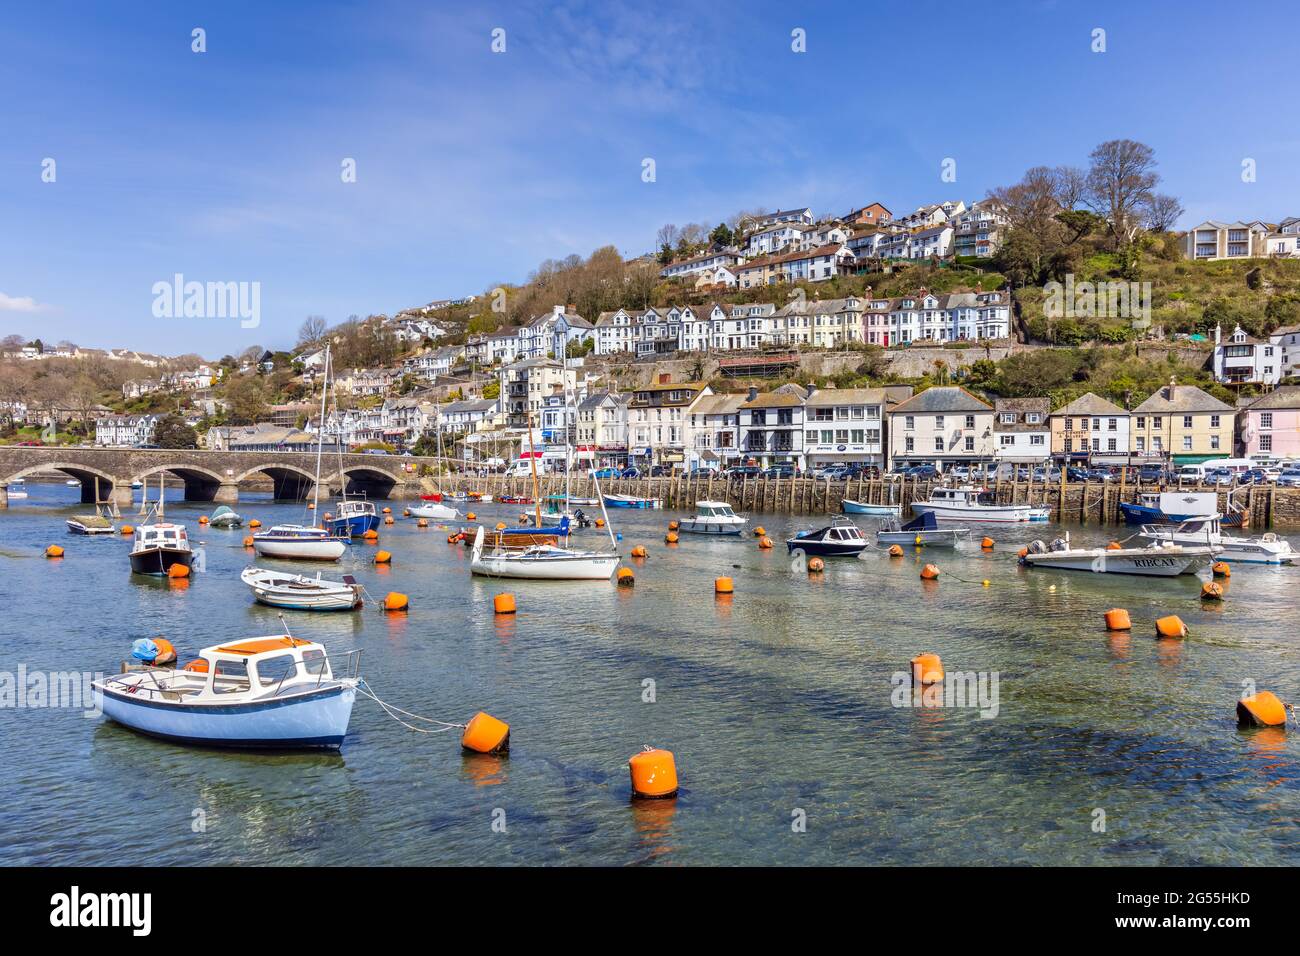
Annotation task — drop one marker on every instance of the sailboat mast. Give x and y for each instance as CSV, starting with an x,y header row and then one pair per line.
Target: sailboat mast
x,y
532,461
320,436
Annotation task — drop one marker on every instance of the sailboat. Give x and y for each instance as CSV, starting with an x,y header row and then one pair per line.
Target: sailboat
x,y
543,561
299,540
431,505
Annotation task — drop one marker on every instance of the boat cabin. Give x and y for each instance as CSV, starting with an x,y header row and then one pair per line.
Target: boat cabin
x,y
257,667
965,495
353,508
161,536
714,509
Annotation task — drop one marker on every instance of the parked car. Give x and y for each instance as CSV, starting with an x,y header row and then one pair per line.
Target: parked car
x,y
922,472
783,469
1289,478
1219,476
1151,474
703,471
743,471
604,474
630,472
1256,476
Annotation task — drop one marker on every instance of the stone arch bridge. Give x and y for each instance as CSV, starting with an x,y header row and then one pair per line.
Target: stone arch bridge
x,y
214,475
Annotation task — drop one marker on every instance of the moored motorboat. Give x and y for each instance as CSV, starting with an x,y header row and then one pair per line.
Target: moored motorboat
x,y
923,529
275,692
1268,548
352,518
852,507
435,509
298,541
967,503
1156,560
156,548
713,517
1175,507
90,524
225,517
840,539
301,593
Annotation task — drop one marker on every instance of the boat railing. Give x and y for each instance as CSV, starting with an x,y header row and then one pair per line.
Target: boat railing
x,y
349,663
351,667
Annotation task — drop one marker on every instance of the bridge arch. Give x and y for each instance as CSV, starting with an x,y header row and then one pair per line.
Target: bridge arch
x,y
367,480
85,474
292,483
201,484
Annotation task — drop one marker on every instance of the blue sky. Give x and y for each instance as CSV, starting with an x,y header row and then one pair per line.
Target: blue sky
x,y
474,166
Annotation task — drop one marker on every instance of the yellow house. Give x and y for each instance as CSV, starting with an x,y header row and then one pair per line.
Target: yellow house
x,y
1185,423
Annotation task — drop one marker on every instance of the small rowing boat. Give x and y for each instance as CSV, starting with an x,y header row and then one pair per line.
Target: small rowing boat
x,y
300,593
631,501
923,529
862,508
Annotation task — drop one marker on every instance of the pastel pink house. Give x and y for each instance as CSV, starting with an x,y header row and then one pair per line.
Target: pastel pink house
x,y
1271,424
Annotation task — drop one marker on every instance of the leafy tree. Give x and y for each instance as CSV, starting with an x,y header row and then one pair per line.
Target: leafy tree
x,y
722,234
172,432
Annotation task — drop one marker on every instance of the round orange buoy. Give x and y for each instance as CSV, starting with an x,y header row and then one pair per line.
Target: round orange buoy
x,y
760,531
626,578
639,551
1221,569
388,519
178,571
1022,552
255,523
654,774
199,666
674,525
987,544
930,572
54,551
383,557
371,535
1114,546
895,550
311,506
396,601
1212,591
166,651
1117,619
203,519
126,529
600,522
501,526
248,540
816,564
723,586
422,523
764,543
671,537
406,512
472,516
1171,626
387,511
484,734
452,539
504,604
1262,710
927,669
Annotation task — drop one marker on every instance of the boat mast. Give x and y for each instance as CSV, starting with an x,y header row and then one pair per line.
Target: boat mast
x,y
320,436
532,461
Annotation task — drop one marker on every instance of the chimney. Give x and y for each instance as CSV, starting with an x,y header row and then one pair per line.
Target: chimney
x,y
812,387
558,310
753,393
665,378
1171,387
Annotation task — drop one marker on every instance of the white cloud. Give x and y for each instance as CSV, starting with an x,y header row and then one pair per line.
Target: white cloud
x,y
24,303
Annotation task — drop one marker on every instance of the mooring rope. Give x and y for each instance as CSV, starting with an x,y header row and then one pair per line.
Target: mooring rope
x,y
392,710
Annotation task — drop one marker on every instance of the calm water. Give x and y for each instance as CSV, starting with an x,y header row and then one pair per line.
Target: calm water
x,y
776,701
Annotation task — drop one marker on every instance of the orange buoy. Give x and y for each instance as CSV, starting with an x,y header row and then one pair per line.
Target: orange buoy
x,y
930,572
452,539
371,535
654,774
328,516
484,734
396,601
387,511
674,525
311,506
671,537
388,519
422,523
1261,710
1114,546
54,551
178,571
203,519
1022,552
987,544
764,543
625,578
125,530
199,666
1117,619
1212,591
927,669
255,523
639,551
760,531
383,557
472,516
166,651
723,586
248,540
816,564
504,604
600,522
1171,626
895,550
1221,569
501,526
406,512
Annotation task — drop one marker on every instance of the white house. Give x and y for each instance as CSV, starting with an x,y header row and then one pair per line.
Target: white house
x,y
125,429
944,425
771,427
706,262
1022,430
845,425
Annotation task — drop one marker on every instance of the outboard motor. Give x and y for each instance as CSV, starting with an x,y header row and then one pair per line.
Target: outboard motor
x,y
1060,544
1037,547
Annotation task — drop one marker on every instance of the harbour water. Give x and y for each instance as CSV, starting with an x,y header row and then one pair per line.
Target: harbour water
x,y
778,705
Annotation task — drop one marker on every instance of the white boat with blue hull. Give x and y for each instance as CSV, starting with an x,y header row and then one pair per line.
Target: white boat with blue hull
x,y
277,693
298,592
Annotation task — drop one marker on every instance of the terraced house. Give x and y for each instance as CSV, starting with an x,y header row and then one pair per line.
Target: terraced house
x,y
657,418
1184,423
1088,427
1270,426
828,323
954,316
943,426
845,425
772,426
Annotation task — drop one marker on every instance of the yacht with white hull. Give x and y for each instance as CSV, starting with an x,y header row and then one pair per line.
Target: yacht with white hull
x,y
967,503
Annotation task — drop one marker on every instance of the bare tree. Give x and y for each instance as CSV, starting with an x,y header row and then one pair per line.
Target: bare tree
x,y
1119,186
1071,181
667,235
312,331
1161,212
